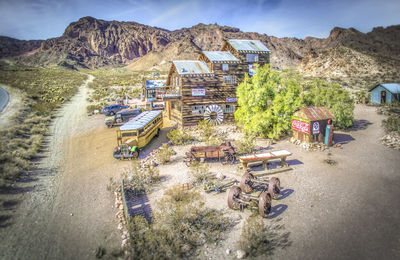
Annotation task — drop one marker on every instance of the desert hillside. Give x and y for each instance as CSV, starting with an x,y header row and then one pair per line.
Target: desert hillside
x,y
94,43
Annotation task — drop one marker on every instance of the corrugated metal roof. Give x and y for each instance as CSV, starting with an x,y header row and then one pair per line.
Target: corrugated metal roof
x,y
141,120
185,67
220,56
394,88
315,113
248,45
156,83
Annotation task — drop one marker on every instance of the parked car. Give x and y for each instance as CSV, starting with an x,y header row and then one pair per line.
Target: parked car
x,y
113,109
121,117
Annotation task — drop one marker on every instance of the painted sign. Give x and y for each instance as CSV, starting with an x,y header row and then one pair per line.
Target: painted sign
x,y
301,126
231,99
315,128
198,92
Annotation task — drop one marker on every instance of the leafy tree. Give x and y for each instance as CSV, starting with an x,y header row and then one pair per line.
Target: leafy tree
x,y
267,101
336,99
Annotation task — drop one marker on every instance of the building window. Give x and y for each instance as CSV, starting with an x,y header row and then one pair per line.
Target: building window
x,y
228,108
151,93
198,110
230,79
252,57
225,67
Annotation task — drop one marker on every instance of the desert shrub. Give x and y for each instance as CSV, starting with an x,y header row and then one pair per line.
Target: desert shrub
x,y
43,90
391,124
206,130
255,238
91,108
245,145
164,154
181,224
363,95
179,136
199,172
141,177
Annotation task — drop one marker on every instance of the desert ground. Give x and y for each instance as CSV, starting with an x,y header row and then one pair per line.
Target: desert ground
x,y
63,210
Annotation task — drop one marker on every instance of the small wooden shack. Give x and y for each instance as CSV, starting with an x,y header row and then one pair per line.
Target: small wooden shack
x,y
385,93
309,123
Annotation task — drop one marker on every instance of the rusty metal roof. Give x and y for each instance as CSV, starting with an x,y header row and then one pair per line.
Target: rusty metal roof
x,y
315,113
220,56
184,67
248,45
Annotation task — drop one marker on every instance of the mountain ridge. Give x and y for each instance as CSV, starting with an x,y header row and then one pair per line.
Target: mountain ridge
x,y
94,43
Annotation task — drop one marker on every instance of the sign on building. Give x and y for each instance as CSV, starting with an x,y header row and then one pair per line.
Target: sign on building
x,y
231,99
301,126
198,92
315,128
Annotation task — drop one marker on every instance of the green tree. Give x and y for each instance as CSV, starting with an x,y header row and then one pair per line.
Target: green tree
x,y
267,101
336,99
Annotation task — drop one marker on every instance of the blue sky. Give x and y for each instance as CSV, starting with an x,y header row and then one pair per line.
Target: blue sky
x,y
42,19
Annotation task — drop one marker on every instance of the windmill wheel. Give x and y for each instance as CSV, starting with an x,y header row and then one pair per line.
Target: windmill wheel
x,y
214,114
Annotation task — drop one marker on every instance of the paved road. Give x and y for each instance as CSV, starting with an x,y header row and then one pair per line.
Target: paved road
x,y
4,98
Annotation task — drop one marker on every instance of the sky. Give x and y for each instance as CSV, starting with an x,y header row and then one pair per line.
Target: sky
x,y
43,19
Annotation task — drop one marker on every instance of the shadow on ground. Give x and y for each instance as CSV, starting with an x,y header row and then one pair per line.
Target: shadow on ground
x,y
138,204
360,125
341,138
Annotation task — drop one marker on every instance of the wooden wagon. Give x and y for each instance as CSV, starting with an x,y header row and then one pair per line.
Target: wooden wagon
x,y
224,153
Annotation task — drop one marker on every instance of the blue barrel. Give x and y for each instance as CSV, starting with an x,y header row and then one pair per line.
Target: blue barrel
x,y
327,133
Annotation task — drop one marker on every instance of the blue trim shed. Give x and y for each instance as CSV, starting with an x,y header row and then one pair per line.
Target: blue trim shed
x,y
385,93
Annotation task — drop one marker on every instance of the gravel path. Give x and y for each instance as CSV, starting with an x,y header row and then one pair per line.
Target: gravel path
x,y
51,221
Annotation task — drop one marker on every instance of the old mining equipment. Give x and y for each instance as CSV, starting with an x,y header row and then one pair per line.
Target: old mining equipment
x,y
239,197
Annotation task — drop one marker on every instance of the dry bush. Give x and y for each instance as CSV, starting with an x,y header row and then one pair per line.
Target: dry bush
x,y
180,137
141,178
199,172
245,145
181,225
164,154
206,130
391,124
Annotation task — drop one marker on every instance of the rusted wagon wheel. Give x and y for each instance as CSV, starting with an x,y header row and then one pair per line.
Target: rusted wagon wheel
x,y
264,204
246,183
274,187
234,193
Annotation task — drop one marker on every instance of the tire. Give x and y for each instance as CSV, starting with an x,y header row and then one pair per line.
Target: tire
x,y
234,193
110,126
264,204
244,182
112,113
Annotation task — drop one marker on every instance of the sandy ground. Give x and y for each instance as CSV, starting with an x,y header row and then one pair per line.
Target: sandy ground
x,y
350,210
13,106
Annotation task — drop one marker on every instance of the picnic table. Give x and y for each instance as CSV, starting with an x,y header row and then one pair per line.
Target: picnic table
x,y
264,158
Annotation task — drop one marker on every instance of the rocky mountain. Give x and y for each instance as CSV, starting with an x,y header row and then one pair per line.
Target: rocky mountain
x,y
93,43
10,47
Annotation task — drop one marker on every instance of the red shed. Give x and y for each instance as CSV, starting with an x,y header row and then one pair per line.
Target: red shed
x,y
309,123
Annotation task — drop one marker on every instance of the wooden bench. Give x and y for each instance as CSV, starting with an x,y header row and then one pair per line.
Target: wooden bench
x,y
264,158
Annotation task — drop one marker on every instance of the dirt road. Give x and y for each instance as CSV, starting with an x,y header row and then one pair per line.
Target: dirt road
x,y
63,210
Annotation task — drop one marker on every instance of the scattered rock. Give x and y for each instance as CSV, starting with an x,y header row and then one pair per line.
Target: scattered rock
x,y
391,140
240,254
72,214
228,251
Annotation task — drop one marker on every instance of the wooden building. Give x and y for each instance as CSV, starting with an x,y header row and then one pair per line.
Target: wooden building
x,y
385,93
250,52
205,89
309,123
